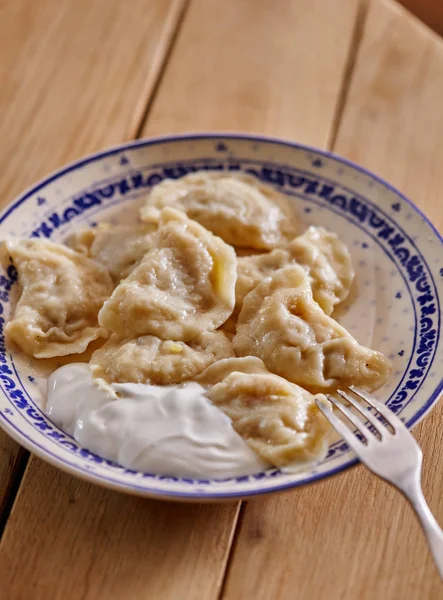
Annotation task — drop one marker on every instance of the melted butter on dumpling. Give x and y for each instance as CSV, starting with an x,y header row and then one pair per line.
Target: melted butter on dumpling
x,y
282,324
277,419
252,269
62,293
148,359
184,285
239,209
324,257
119,248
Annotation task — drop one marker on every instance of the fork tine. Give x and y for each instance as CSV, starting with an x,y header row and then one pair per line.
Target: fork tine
x,y
378,425
353,441
350,415
385,412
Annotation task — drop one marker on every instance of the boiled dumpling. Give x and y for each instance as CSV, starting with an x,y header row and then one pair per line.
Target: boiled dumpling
x,y
282,324
252,269
244,251
328,263
277,419
117,247
222,368
184,285
62,293
325,258
148,359
239,209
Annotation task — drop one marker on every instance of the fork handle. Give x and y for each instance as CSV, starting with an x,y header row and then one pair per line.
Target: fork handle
x,y
431,528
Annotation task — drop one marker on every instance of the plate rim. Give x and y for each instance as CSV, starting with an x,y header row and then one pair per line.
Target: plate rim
x,y
180,137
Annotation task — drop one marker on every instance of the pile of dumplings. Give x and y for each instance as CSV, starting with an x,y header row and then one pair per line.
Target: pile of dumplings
x,y
216,285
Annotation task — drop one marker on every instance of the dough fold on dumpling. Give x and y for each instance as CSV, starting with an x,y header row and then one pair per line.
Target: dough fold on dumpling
x,y
184,285
222,368
324,257
240,209
282,324
62,293
148,359
277,419
119,248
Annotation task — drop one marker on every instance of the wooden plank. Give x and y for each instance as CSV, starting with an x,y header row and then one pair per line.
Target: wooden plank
x,y
71,73
79,541
393,121
118,546
13,460
353,536
54,108
269,67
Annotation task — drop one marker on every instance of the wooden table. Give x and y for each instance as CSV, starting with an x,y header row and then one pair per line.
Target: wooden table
x,y
364,79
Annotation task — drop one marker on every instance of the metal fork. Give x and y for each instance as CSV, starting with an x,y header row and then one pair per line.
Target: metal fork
x,y
392,454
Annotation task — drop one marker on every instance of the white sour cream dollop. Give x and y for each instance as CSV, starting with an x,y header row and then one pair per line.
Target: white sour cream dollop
x,y
170,430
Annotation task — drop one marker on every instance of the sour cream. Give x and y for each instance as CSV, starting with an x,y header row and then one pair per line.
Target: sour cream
x,y
166,430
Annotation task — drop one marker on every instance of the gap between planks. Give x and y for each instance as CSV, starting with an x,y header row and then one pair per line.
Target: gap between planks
x,y
236,529
18,468
354,45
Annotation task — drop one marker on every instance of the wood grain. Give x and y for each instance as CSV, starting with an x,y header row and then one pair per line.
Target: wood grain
x,y
81,542
67,539
268,67
393,120
353,536
71,74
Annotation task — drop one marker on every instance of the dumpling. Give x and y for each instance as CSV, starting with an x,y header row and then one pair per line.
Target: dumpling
x,y
230,324
239,209
62,293
281,324
252,269
82,240
328,263
184,285
117,247
248,251
325,258
225,366
277,419
148,359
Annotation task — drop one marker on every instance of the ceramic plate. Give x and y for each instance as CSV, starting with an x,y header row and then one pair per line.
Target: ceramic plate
x,y
399,285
